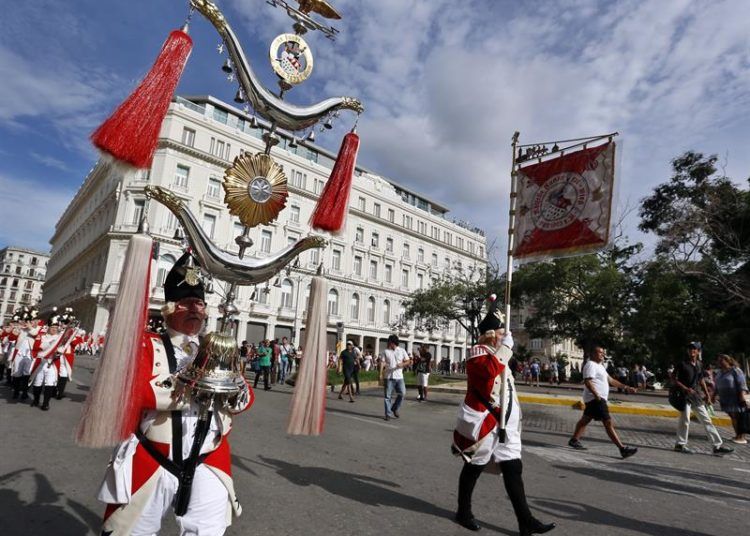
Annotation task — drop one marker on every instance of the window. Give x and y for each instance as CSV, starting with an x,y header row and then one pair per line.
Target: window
x,y
448,238
286,294
221,115
407,221
219,149
359,236
435,233
386,312
422,227
227,153
434,260
165,265
12,296
171,221
318,186
536,344
209,224
361,204
354,312
404,278
447,263
420,281
299,179
262,295
375,242
238,229
336,259
406,251
389,245
181,176
29,285
294,214
376,210
358,265
420,255
373,269
265,241
14,284
481,251
291,239
33,261
214,188
391,215
138,205
459,243
388,273
333,302
315,256
307,296
371,309
188,137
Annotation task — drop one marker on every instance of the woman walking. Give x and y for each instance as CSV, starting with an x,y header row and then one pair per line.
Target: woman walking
x,y
731,388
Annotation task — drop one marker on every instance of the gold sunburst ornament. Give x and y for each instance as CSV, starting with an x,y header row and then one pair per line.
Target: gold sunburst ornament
x,y
255,189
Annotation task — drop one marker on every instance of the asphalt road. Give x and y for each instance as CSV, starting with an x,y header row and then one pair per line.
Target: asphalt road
x,y
371,477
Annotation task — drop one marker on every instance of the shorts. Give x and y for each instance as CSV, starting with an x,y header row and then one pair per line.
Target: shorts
x,y
597,410
423,379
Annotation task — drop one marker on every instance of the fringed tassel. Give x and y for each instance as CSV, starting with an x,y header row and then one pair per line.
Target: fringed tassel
x,y
308,406
333,205
112,408
131,133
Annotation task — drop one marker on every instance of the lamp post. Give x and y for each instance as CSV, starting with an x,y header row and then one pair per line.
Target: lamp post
x,y
473,308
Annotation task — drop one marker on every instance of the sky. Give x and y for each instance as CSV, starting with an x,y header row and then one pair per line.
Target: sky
x,y
445,84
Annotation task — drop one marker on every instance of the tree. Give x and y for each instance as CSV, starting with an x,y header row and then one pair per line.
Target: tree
x,y
702,220
584,298
455,296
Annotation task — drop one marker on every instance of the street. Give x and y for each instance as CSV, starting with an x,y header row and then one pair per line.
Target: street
x,y
371,477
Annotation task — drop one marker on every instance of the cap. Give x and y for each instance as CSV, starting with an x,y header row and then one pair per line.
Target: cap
x,y
349,343
183,281
694,344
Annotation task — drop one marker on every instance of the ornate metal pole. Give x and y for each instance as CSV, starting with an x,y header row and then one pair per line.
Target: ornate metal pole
x,y
511,228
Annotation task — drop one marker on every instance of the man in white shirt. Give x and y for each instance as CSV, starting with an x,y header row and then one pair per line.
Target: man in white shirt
x,y
395,359
596,384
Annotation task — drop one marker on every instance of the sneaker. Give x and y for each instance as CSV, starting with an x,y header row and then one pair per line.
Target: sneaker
x,y
684,449
627,452
395,414
721,449
739,441
576,444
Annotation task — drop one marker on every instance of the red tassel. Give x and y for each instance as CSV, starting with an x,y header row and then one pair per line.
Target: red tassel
x,y
333,205
131,133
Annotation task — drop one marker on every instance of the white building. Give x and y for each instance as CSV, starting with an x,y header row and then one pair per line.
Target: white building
x,y
395,240
22,273
544,349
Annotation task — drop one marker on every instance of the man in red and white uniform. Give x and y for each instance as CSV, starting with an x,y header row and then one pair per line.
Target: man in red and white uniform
x,y
7,343
44,373
21,356
488,427
140,485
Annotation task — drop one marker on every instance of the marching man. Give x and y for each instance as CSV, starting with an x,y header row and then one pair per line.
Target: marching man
x,y
147,470
43,378
488,428
21,355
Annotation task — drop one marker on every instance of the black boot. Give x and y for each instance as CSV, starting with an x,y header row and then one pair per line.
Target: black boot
x,y
513,480
466,482
49,392
16,383
61,383
37,395
24,380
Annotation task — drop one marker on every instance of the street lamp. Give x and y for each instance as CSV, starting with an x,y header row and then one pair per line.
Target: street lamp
x,y
473,308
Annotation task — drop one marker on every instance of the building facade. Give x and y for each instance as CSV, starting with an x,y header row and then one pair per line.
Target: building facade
x,y
395,241
22,273
545,349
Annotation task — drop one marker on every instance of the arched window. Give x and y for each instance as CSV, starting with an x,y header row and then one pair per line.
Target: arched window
x,y
354,311
286,294
165,265
333,302
387,312
371,309
307,297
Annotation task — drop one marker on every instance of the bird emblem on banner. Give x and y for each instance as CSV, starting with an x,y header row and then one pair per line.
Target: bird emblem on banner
x,y
565,204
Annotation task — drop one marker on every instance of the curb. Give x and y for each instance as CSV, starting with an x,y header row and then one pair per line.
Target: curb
x,y
577,404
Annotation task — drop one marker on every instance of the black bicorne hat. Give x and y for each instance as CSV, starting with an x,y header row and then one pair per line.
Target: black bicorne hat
x,y
184,281
493,319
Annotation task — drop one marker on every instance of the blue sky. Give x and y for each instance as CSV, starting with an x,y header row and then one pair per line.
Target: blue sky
x,y
445,84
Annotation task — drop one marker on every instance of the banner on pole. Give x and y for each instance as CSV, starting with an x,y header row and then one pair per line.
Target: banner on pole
x,y
564,204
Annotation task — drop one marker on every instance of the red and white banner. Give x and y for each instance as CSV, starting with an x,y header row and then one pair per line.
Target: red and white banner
x,y
564,204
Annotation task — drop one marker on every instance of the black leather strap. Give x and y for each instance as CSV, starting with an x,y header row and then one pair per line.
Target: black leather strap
x,y
169,347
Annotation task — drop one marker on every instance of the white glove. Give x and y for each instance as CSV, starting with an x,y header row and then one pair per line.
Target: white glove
x,y
508,340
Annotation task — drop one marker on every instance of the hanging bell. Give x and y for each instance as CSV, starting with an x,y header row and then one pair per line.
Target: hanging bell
x,y
292,143
178,234
555,148
328,124
252,296
253,122
227,67
239,98
277,283
311,136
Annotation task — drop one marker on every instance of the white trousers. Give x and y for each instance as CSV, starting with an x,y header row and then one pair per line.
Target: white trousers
x,y
683,425
207,511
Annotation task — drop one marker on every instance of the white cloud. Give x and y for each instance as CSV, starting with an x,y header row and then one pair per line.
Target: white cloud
x,y
30,211
50,161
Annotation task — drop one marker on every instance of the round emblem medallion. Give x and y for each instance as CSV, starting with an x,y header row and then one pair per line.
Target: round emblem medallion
x,y
559,201
259,189
291,58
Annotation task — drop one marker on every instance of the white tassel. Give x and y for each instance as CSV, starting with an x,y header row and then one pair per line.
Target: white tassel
x,y
110,409
308,405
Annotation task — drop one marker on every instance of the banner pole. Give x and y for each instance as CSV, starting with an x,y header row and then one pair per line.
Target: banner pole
x,y
511,229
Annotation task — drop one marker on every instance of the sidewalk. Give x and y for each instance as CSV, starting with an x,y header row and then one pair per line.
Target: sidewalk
x,y
575,402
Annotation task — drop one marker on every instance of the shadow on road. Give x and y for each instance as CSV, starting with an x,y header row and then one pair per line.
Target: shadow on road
x,y
45,514
585,513
363,489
